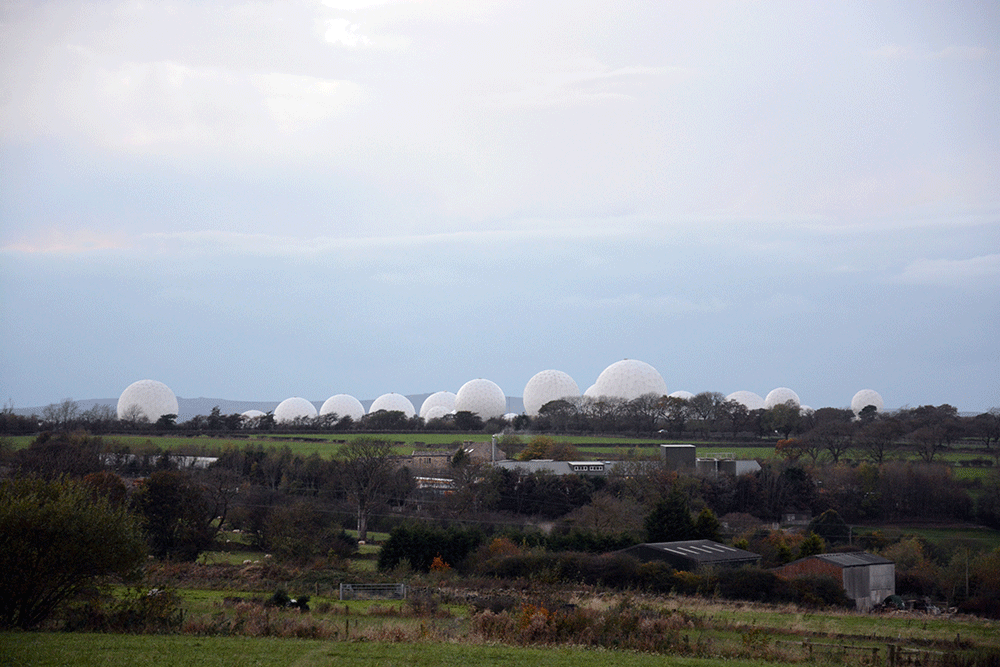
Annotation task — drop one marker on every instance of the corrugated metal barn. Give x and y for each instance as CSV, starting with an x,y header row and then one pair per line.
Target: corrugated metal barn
x,y
690,555
868,579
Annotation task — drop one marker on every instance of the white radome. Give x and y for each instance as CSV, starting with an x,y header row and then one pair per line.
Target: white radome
x,y
780,396
294,408
867,397
343,405
805,410
392,403
747,399
153,398
436,412
251,418
444,399
548,386
481,397
591,391
629,379
511,416
686,395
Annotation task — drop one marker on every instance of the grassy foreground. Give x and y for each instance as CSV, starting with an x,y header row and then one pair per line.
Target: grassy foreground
x,y
98,650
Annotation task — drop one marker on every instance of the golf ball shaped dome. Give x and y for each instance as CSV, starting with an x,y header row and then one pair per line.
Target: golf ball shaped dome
x,y
747,399
252,414
629,379
444,399
392,403
481,397
343,405
864,398
779,396
686,395
154,399
435,412
294,408
548,386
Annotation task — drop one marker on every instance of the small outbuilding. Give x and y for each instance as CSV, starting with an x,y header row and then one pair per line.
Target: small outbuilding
x,y
692,555
867,579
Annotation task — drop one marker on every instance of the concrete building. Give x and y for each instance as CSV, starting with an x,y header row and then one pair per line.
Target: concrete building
x,y
678,457
867,579
726,465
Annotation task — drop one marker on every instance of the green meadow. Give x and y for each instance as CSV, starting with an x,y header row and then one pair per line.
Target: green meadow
x,y
101,650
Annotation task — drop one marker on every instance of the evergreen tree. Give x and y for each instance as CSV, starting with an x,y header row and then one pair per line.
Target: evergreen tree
x,y
706,526
812,545
670,520
831,527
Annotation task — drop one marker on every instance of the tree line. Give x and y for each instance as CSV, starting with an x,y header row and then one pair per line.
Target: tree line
x,y
827,433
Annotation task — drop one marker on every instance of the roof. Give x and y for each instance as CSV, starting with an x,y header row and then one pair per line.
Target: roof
x,y
853,559
704,552
556,467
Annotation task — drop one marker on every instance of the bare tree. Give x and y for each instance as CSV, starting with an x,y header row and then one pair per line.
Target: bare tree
x,y
837,438
134,414
61,415
368,466
878,437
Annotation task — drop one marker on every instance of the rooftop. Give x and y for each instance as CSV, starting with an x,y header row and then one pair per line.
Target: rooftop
x,y
854,559
703,551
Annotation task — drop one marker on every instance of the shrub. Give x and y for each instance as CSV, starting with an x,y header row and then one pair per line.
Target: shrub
x,y
301,532
140,611
622,628
748,583
819,591
420,545
58,540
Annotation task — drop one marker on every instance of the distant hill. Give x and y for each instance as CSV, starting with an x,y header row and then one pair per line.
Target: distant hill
x,y
191,407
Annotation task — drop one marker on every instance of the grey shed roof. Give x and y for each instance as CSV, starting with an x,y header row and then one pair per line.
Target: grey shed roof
x,y
703,551
853,559
694,552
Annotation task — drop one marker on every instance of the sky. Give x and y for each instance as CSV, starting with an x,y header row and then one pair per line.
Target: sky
x,y
257,200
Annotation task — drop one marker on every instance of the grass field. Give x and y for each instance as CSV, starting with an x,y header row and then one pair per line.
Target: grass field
x,y
328,444
977,538
733,633
90,650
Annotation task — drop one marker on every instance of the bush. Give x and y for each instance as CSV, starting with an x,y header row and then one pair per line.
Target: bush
x,y
57,540
420,545
301,532
141,611
619,628
748,583
820,591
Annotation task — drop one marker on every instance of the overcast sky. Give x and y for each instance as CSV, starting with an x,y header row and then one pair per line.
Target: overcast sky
x,y
269,199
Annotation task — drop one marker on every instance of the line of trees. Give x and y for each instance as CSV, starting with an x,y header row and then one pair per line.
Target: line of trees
x,y
826,433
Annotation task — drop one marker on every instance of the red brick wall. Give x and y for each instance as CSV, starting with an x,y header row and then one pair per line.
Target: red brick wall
x,y
807,567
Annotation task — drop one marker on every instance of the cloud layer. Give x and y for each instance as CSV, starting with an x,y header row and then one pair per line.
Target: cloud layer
x,y
364,196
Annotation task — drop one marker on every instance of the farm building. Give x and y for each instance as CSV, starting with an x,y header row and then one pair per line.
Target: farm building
x,y
691,555
868,579
598,468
